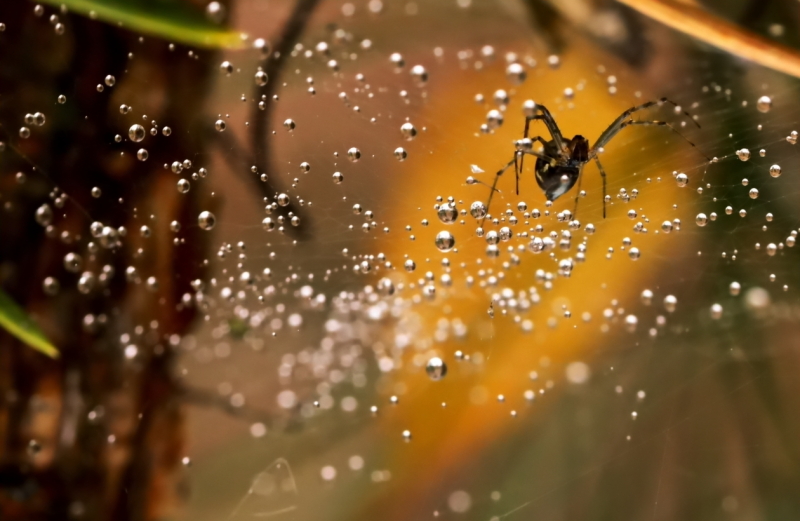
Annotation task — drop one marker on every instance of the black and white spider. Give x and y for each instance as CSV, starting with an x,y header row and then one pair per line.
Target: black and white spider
x,y
560,163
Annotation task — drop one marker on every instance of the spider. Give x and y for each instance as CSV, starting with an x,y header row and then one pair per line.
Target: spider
x,y
560,163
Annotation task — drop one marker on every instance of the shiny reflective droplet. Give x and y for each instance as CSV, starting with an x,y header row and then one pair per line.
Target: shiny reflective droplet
x,y
436,368
775,170
386,286
397,59
206,220
716,311
261,78
735,288
447,213
215,12
477,210
62,99
142,154
682,179
73,262
353,154
419,73
670,303
515,73
219,125
400,154
305,167
110,80
44,215
338,177
51,286
408,131
494,119
646,297
226,68
136,133
445,241
183,186
289,124
701,219
410,265
764,104
666,226
633,253
743,154
753,193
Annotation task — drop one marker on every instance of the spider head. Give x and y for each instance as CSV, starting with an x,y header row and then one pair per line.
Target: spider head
x,y
578,149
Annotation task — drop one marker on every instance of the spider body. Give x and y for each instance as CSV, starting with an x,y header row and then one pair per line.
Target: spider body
x,y
556,177
560,161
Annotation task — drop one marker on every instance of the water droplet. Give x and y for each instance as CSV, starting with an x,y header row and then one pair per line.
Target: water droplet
x,y
682,179
183,186
407,435
110,80
410,265
397,59
494,119
142,154
445,241
764,104
734,288
400,154
447,213
51,286
353,154
73,262
477,210
226,68
261,78
753,193
219,125
44,215
716,311
62,99
633,253
386,286
516,73
338,177
136,133
701,219
419,73
289,124
775,170
743,154
206,220
670,303
436,368
215,12
666,226
408,131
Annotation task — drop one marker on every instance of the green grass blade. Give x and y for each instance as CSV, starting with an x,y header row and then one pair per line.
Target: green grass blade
x,y
14,320
172,20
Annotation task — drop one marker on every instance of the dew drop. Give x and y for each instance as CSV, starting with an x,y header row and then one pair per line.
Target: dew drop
x,y
743,154
682,179
353,154
764,104
775,170
261,78
670,303
447,213
183,186
436,368
206,220
219,125
701,219
515,73
136,133
419,73
408,131
289,124
142,154
400,154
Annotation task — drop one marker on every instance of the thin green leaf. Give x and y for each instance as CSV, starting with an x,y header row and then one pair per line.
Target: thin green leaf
x,y
14,320
172,20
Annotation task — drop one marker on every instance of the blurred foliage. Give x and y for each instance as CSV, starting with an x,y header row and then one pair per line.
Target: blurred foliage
x,y
173,20
14,320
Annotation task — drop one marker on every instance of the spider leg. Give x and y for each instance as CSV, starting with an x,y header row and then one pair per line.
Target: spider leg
x,y
603,175
552,127
540,139
577,195
494,185
618,124
662,124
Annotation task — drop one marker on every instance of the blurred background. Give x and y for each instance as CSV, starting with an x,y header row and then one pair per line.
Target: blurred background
x,y
232,243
